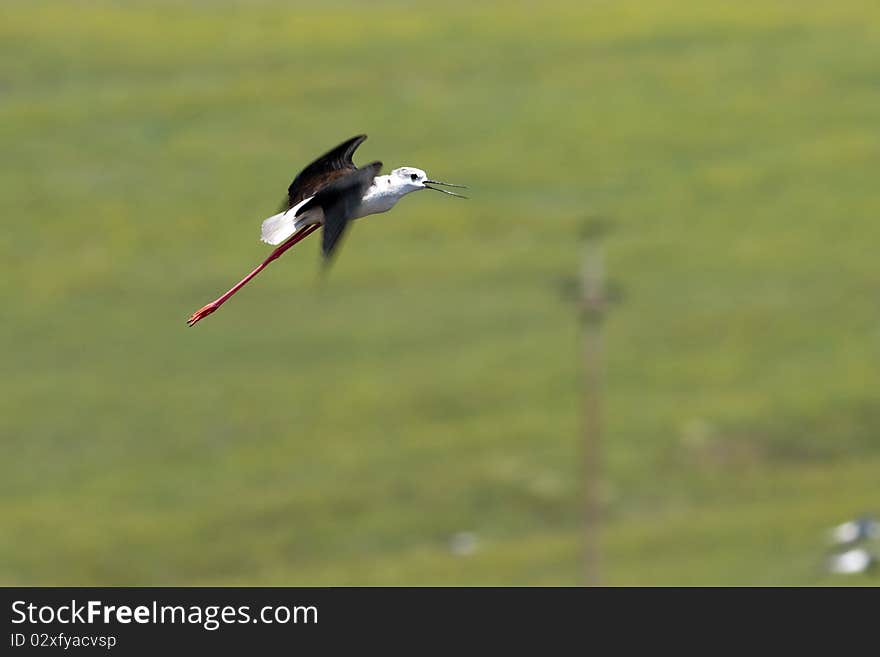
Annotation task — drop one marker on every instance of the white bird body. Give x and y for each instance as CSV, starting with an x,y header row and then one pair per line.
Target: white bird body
x,y
382,195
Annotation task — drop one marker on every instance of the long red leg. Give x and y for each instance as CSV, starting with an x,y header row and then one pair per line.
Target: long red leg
x,y
203,312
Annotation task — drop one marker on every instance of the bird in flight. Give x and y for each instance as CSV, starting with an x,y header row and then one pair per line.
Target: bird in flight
x,y
331,192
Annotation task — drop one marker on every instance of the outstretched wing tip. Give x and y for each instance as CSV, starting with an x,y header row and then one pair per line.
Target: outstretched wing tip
x,y
323,170
353,145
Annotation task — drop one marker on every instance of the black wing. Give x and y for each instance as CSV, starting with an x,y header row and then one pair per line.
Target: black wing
x,y
330,166
340,201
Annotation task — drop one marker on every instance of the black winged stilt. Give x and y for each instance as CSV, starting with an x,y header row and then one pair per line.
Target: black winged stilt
x,y
330,192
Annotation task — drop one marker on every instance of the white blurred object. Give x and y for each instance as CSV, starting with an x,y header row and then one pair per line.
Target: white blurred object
x,y
851,562
861,529
463,544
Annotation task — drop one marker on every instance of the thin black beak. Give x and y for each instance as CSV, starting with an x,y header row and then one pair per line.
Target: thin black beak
x,y
437,182
437,189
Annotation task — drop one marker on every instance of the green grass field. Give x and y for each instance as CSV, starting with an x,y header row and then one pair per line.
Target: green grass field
x,y
342,433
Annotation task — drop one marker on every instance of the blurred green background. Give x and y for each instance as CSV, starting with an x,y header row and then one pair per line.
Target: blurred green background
x,y
347,433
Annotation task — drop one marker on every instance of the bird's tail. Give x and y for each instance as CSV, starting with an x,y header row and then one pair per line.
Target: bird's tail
x,y
279,227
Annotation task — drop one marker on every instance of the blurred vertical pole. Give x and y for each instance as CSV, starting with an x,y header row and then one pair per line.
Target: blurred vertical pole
x,y
593,304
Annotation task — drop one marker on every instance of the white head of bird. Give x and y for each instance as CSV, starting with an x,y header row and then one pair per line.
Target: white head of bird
x,y
389,189
408,179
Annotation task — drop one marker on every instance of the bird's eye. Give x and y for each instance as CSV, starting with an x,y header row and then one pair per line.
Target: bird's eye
x,y
413,176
